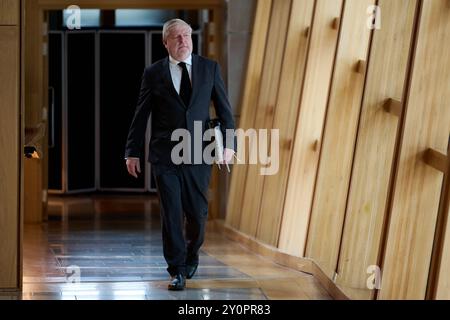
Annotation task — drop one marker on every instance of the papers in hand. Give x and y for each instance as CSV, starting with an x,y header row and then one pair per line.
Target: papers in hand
x,y
218,140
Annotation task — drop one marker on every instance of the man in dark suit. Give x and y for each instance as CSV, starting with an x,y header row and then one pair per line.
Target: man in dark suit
x,y
177,91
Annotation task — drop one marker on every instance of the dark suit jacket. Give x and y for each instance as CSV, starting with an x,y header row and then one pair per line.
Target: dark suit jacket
x,y
159,97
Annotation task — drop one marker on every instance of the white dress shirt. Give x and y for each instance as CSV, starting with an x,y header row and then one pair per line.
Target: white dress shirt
x,y
176,71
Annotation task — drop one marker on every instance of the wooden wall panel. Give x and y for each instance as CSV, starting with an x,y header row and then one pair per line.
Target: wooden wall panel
x,y
9,12
305,157
10,159
285,119
32,200
248,109
265,108
374,154
418,186
34,61
328,209
355,186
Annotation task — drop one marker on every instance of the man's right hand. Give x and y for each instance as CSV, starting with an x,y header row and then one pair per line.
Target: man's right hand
x,y
133,166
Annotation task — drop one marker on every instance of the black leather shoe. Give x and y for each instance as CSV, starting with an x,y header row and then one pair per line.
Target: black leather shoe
x,y
177,283
190,270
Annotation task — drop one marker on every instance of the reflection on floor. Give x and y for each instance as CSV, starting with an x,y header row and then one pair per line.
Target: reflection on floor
x,y
109,247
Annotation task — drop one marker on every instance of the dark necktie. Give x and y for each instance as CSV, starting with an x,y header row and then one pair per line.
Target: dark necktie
x,y
185,88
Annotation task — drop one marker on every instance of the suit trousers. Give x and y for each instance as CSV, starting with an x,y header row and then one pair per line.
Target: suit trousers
x,y
182,191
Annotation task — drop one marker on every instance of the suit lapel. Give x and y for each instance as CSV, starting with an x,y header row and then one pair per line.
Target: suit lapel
x,y
169,83
195,80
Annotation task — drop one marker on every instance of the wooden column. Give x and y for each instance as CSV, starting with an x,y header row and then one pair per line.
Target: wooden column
x,y
34,104
10,144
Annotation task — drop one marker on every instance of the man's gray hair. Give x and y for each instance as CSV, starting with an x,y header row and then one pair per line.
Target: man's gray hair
x,y
172,23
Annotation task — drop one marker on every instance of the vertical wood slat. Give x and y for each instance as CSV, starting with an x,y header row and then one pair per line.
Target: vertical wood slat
x,y
9,12
330,197
438,286
9,161
374,154
305,157
265,108
286,114
418,186
248,107
442,277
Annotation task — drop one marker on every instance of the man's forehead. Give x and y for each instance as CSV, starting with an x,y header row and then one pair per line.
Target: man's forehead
x,y
179,29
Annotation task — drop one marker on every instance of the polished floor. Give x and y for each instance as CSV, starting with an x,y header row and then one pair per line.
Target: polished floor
x,y
109,247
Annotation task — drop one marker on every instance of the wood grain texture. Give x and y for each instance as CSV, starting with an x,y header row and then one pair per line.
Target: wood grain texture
x,y
418,186
374,154
330,198
285,120
34,61
265,108
438,286
34,100
443,276
9,12
305,157
32,195
249,101
9,161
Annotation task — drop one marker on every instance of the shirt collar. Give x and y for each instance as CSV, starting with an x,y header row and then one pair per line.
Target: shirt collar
x,y
188,60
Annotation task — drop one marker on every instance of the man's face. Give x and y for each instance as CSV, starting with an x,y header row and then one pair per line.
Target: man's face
x,y
179,42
